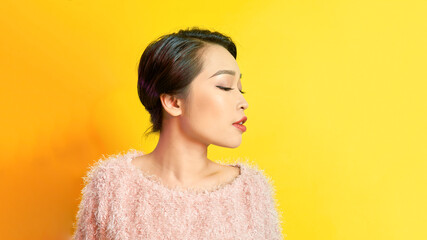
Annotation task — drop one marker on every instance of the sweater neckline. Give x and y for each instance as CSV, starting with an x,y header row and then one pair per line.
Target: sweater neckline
x,y
156,181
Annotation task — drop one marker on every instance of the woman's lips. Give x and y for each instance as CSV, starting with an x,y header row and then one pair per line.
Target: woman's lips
x,y
241,127
244,119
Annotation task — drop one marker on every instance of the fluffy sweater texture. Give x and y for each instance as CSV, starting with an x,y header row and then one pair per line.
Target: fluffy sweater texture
x,y
120,201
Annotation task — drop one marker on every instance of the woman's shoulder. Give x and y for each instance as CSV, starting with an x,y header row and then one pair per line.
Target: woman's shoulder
x,y
255,177
108,167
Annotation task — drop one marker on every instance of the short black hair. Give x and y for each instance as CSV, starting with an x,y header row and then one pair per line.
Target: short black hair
x,y
169,65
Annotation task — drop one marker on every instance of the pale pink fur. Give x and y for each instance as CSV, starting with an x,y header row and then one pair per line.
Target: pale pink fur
x,y
119,201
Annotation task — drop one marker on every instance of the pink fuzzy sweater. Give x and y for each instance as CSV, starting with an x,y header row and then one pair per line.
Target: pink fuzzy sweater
x,y
120,201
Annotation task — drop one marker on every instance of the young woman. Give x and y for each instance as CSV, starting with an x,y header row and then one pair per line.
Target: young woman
x,y
190,84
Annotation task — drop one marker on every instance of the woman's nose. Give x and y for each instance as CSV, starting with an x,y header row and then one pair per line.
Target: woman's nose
x,y
243,104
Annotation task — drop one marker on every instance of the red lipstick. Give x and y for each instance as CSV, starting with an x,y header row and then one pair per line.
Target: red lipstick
x,y
241,126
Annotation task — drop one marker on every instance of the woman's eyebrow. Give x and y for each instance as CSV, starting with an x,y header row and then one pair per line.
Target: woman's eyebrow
x,y
231,72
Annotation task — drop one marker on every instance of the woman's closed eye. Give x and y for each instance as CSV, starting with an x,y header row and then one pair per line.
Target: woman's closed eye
x,y
228,89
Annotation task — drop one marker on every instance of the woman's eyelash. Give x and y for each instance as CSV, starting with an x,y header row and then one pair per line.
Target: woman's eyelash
x,y
228,89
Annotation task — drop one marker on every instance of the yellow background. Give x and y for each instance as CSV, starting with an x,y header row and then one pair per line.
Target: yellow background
x,y
336,92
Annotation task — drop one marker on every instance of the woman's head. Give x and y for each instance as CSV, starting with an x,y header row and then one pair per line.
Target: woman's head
x,y
175,68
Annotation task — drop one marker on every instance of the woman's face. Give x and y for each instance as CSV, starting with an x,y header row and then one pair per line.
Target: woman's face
x,y
209,111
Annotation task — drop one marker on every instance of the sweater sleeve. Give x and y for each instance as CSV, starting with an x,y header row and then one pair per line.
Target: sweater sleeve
x,y
272,218
90,223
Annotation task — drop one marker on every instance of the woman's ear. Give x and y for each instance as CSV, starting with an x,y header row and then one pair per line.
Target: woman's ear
x,y
171,104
